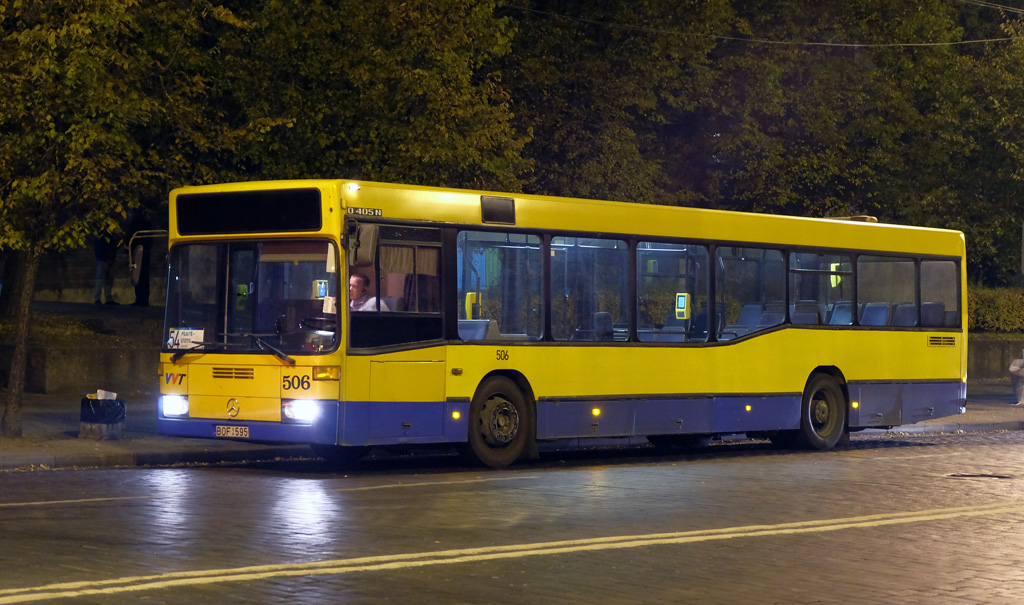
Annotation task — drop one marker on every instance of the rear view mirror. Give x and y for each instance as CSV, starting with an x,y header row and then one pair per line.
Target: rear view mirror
x,y
363,245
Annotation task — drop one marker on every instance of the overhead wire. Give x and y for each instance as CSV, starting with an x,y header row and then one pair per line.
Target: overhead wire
x,y
1001,7
613,25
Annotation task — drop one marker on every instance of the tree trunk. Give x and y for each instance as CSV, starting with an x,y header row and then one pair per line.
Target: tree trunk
x,y
10,417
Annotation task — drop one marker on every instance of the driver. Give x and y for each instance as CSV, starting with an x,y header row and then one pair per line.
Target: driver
x,y
359,299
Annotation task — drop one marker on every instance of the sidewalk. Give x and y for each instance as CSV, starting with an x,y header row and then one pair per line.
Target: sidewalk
x,y
51,424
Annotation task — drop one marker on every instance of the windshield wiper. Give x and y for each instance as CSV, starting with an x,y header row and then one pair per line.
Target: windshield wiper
x,y
196,348
280,354
264,345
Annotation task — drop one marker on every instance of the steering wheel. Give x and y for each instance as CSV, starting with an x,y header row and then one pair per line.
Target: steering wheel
x,y
328,324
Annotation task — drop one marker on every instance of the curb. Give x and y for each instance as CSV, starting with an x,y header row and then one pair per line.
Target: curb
x,y
979,427
109,460
146,459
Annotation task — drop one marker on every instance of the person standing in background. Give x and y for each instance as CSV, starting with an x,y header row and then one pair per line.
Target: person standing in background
x,y
106,253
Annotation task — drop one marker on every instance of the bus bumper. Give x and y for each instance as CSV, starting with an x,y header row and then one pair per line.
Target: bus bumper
x,y
344,423
324,430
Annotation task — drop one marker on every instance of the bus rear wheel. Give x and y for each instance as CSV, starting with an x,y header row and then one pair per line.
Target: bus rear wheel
x,y
822,413
500,422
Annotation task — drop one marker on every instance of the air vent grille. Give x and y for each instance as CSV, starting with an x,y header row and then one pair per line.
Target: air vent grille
x,y
234,373
942,341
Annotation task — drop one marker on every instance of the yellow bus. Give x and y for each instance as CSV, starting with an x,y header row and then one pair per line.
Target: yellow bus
x,y
348,314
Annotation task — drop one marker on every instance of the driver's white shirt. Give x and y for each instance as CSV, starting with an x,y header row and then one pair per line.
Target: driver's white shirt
x,y
368,303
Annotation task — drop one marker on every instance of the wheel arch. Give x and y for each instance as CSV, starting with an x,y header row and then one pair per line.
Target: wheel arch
x,y
838,376
517,377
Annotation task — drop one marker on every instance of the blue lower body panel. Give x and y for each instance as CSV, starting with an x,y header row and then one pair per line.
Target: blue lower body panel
x,y
402,422
639,417
896,403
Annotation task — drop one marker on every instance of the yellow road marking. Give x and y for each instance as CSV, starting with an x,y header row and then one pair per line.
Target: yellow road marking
x,y
471,555
51,502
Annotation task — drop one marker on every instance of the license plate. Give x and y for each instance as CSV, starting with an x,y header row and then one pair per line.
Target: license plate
x,y
232,431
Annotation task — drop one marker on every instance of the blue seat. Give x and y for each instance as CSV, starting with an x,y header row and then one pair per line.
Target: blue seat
x,y
904,315
747,322
473,329
842,314
808,318
933,314
874,314
604,329
951,319
805,312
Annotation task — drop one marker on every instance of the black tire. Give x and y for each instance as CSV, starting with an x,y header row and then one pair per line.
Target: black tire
x,y
687,443
500,422
822,413
340,456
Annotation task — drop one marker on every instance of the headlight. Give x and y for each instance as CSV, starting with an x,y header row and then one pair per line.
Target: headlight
x,y
174,405
300,410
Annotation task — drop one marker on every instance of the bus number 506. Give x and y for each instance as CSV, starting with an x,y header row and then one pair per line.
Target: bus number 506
x,y
295,383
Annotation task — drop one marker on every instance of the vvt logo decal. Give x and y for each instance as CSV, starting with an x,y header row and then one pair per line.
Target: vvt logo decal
x,y
174,378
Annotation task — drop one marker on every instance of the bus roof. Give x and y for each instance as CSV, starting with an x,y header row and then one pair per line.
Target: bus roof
x,y
376,201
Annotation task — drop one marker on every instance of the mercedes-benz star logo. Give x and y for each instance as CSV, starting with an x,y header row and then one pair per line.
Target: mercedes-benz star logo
x,y
233,407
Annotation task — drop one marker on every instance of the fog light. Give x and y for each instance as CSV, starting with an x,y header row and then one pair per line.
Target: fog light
x,y
174,405
300,410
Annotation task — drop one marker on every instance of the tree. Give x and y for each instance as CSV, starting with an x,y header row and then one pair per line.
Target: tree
x,y
595,82
68,118
376,90
997,207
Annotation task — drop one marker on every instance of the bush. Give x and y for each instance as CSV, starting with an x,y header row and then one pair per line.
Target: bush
x,y
995,309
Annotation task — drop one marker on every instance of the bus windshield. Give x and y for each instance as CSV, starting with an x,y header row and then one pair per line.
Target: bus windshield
x,y
276,296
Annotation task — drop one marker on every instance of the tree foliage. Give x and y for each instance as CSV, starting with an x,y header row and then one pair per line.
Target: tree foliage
x,y
596,84
375,90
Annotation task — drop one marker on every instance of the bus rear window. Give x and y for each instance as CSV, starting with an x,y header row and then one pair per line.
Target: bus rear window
x,y
249,211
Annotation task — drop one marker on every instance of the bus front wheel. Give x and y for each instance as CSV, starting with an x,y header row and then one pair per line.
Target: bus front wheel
x,y
500,419
822,413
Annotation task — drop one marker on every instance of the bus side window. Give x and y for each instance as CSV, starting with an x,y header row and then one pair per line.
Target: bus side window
x,y
408,288
886,287
940,306
750,283
672,292
589,276
820,289
499,286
